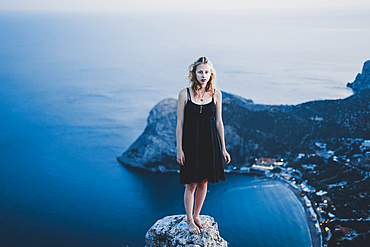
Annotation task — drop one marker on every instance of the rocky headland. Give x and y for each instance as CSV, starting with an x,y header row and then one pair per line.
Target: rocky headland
x,y
253,130
173,231
362,80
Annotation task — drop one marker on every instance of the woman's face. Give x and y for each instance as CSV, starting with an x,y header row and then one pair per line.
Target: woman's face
x,y
203,73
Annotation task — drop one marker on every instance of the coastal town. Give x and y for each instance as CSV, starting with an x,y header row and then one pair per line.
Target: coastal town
x,y
332,185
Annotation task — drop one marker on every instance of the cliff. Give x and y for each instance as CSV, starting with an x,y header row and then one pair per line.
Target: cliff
x,y
173,231
155,149
253,131
362,80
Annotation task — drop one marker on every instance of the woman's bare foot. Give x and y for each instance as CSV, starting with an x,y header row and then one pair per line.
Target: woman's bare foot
x,y
199,223
192,227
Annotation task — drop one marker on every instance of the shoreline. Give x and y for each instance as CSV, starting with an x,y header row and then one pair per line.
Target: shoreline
x,y
316,239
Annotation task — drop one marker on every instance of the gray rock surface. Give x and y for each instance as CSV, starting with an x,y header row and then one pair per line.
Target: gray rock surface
x,y
173,231
157,144
362,80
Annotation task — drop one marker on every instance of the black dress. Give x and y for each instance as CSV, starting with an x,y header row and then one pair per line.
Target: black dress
x,y
201,144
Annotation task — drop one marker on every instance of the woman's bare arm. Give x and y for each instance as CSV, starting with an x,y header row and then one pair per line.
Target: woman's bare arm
x,y
220,126
180,158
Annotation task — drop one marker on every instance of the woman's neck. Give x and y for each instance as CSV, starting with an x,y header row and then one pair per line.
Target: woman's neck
x,y
203,87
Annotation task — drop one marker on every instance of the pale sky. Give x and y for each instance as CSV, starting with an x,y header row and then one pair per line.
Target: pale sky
x,y
178,5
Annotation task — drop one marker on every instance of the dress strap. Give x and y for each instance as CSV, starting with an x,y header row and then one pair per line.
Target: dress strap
x,y
189,94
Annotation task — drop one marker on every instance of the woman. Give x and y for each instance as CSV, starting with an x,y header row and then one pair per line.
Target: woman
x,y
200,139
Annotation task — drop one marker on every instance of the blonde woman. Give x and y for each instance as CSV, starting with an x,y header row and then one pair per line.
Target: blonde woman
x,y
200,139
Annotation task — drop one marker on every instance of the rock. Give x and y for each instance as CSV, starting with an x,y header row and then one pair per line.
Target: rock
x,y
173,231
362,80
157,144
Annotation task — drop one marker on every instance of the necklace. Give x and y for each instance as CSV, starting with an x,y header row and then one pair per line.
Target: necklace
x,y
201,98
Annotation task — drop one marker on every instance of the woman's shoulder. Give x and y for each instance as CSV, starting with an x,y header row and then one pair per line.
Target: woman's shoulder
x,y
183,91
218,96
218,93
183,94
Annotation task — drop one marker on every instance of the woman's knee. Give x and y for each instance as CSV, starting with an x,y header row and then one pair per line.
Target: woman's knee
x,y
191,187
203,185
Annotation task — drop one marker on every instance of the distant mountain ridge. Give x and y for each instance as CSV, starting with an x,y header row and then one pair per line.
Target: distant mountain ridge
x,y
253,131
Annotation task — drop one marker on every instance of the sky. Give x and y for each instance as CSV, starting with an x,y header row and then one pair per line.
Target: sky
x,y
176,5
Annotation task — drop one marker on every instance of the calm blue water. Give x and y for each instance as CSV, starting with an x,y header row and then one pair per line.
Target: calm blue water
x,y
75,93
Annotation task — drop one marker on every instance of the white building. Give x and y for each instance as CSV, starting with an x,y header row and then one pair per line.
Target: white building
x,y
321,193
341,184
320,145
318,229
307,201
365,145
312,214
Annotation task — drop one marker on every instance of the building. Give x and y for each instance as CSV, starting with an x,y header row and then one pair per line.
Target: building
x,y
262,167
320,145
321,193
264,164
309,166
326,199
265,161
300,156
318,229
307,201
312,214
279,163
365,145
341,184
345,230
307,188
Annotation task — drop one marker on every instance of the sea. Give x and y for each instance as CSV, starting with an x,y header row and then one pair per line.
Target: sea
x,y
77,87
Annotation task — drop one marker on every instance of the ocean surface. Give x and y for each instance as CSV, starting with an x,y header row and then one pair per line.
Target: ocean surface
x,y
76,90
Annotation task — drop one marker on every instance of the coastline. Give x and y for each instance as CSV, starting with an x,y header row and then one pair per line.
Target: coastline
x,y
316,240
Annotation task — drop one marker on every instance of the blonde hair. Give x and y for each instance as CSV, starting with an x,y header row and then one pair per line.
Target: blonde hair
x,y
195,84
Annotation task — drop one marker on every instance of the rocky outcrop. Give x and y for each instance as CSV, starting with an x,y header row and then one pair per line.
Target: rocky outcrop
x,y
155,149
362,80
173,231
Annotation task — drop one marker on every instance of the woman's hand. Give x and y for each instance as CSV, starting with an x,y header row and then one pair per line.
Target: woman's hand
x,y
226,156
180,157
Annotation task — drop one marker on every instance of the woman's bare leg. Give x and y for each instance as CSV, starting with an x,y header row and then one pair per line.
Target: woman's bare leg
x,y
189,202
199,200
